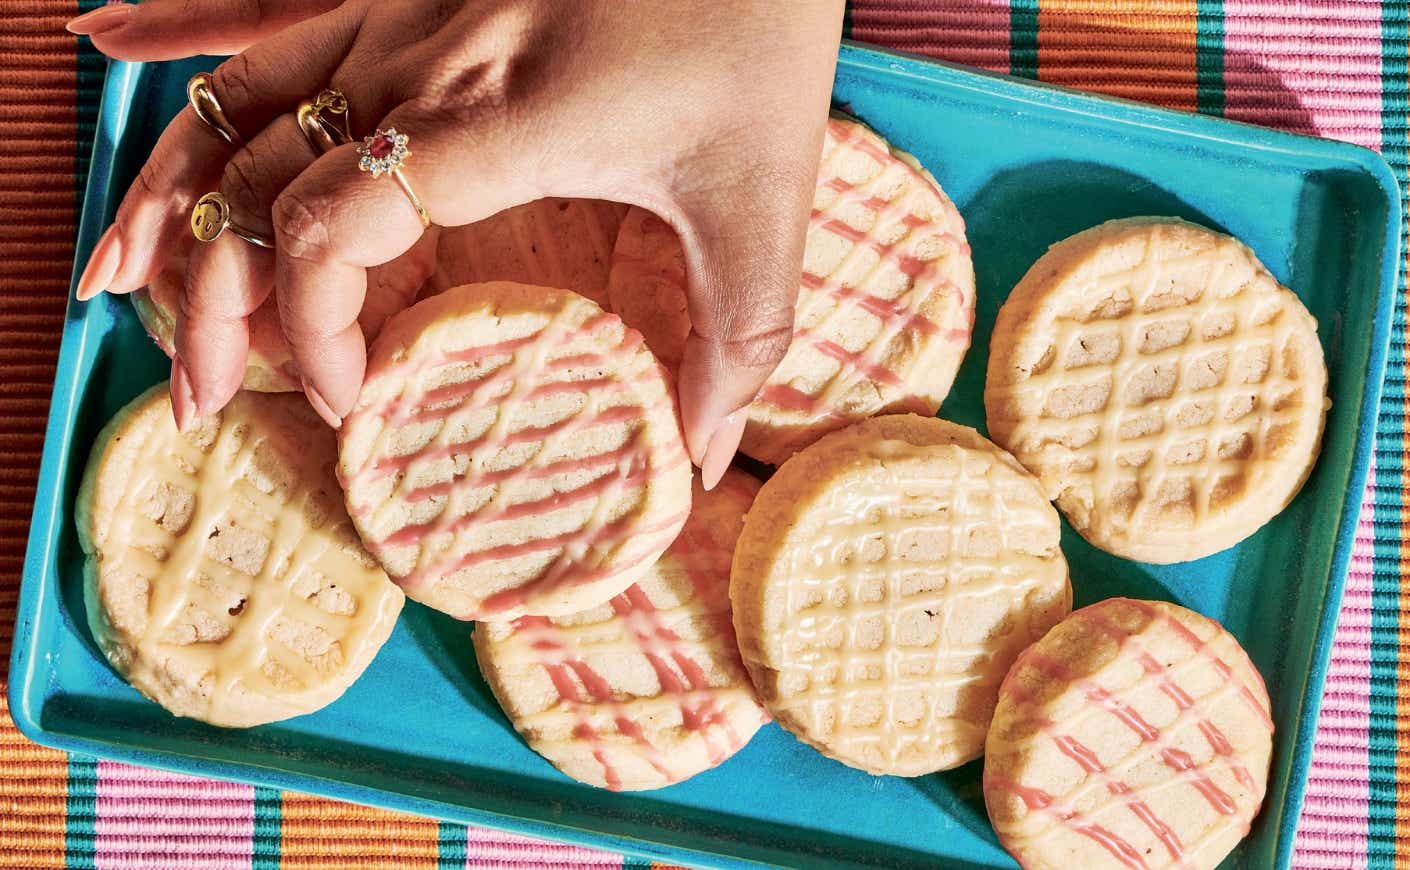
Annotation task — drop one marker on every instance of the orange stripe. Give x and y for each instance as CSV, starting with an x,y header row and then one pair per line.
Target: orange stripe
x,y
320,834
1144,52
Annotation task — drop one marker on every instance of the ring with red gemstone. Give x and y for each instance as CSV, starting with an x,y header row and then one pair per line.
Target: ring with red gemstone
x,y
383,153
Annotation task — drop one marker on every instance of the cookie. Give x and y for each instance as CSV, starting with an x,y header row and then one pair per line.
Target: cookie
x,y
222,576
645,690
514,451
886,578
550,242
1135,734
646,286
269,365
885,305
1163,386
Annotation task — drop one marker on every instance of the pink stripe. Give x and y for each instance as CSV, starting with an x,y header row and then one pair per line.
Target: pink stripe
x,y
152,819
487,848
1332,832
974,32
1310,68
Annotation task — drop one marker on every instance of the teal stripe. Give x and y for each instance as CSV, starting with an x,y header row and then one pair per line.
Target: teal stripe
x,y
265,845
450,846
1389,507
1023,38
80,812
630,863
1209,56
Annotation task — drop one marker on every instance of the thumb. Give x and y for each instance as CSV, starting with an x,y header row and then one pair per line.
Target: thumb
x,y
170,29
744,252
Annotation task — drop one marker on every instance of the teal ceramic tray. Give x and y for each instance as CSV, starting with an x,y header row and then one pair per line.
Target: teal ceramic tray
x,y
1027,165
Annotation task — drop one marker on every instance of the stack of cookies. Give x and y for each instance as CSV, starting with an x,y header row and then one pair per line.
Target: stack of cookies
x,y
895,595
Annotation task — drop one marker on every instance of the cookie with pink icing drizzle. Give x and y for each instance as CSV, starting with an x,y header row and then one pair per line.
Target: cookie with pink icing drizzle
x,y
269,366
645,690
1136,734
885,303
514,450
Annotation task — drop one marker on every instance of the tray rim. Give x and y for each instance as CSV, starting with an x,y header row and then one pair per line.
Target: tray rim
x,y
120,81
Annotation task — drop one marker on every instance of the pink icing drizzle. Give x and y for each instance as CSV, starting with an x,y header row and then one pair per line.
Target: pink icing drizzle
x,y
633,464
707,565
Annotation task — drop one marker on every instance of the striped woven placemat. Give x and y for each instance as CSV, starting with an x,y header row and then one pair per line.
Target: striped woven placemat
x,y
1335,68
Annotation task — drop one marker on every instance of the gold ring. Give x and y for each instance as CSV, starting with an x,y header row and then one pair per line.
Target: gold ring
x,y
320,117
383,153
211,217
207,107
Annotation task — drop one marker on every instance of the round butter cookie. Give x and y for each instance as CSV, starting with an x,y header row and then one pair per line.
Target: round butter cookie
x,y
222,576
1166,390
1136,734
550,242
646,286
885,306
514,451
886,578
645,690
269,365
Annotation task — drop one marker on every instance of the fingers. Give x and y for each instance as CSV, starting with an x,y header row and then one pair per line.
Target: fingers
x,y
741,296
170,29
334,222
229,278
253,88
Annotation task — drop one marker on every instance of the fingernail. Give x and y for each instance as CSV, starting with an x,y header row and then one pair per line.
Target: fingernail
x,y
101,20
321,405
102,266
183,400
723,444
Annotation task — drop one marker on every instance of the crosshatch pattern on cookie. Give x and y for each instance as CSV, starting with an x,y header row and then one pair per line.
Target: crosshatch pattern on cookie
x,y
886,305
249,580
650,685
1134,803
527,460
1163,395
910,595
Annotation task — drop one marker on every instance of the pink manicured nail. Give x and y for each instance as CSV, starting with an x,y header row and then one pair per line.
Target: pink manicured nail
x,y
102,266
723,444
320,405
183,400
101,20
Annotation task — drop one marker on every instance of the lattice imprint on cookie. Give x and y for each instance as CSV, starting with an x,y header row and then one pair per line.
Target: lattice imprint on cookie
x,y
1133,734
515,450
1166,390
887,576
885,303
222,576
647,689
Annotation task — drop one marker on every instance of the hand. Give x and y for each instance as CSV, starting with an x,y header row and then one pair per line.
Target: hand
x,y
709,114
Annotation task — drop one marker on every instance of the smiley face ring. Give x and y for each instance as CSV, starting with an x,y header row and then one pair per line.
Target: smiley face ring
x,y
211,217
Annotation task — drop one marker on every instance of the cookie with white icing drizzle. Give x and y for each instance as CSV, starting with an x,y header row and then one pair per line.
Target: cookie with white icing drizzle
x,y
646,690
885,301
514,450
1136,734
1163,386
222,576
886,578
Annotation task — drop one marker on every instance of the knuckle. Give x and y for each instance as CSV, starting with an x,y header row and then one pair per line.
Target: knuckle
x,y
236,82
242,184
300,225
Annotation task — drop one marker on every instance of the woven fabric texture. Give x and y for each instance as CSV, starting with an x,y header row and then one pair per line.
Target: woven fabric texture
x,y
1334,68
